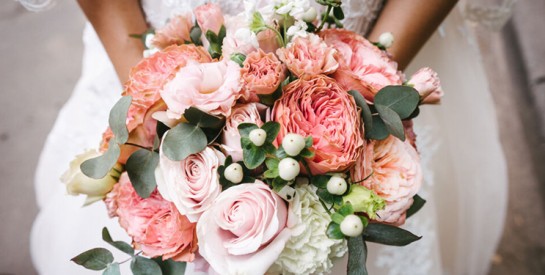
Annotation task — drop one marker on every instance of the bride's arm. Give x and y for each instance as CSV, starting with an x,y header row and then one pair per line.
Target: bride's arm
x,y
412,22
114,21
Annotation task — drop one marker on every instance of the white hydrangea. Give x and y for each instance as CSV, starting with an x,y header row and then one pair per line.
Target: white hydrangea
x,y
309,250
298,29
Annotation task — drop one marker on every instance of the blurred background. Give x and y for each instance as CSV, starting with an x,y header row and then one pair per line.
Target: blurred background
x,y
40,62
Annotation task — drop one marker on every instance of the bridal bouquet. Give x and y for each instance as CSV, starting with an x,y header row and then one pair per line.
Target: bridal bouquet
x,y
274,141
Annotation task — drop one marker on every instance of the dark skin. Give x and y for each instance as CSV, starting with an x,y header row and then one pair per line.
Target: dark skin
x,y
411,21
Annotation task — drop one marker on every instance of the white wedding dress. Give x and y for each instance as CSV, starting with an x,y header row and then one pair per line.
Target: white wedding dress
x,y
466,180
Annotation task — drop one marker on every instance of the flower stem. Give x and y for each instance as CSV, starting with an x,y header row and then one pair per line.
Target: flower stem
x,y
280,39
139,146
324,19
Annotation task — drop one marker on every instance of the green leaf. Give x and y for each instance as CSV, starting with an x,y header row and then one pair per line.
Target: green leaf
x,y
118,119
309,141
389,235
357,256
272,163
346,209
392,121
144,266
212,37
238,58
401,99
94,259
334,231
338,13
141,170
253,156
328,197
337,218
269,148
378,131
418,203
183,140
123,246
306,153
195,35
271,128
222,34
202,119
320,181
365,110
280,153
245,128
278,183
170,267
99,167
112,269
414,114
271,174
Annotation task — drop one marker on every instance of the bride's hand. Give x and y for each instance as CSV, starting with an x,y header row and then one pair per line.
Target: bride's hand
x,y
114,21
412,22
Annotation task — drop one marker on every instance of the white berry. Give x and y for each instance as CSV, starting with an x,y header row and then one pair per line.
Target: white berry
x,y
386,39
310,15
293,144
234,173
288,169
352,226
258,136
337,185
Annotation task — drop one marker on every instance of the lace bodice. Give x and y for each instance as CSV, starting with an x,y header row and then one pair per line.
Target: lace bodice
x,y
359,14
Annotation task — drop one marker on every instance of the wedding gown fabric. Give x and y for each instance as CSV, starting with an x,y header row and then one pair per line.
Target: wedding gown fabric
x,y
465,178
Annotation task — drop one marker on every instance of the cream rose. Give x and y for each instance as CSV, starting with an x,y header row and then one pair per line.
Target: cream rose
x,y
191,184
245,229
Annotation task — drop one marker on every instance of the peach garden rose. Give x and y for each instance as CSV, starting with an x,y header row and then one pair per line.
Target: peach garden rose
x,y
309,56
262,73
175,32
316,106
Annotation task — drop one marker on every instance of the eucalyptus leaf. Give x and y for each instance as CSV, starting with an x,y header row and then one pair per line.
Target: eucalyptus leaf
x,y
334,231
202,119
118,119
378,131
392,121
144,266
141,170
94,259
401,99
112,269
418,203
271,128
170,267
123,246
195,35
389,235
357,256
99,167
365,110
183,140
245,128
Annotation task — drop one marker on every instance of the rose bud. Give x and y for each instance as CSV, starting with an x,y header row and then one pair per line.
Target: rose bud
x,y
364,200
352,226
336,185
258,136
386,39
78,183
310,15
293,144
288,169
428,85
234,173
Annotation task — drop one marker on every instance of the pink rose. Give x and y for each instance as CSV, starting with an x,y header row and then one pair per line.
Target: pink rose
x,y
318,107
153,223
364,67
250,113
427,83
209,17
211,87
309,55
245,230
175,32
191,184
262,73
239,38
396,175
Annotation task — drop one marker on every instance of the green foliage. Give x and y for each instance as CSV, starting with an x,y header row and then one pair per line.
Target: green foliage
x,y
271,128
334,231
195,35
112,269
253,155
118,119
258,23
378,131
170,267
238,58
141,170
392,121
202,119
366,114
99,167
388,235
346,210
401,99
245,128
123,246
183,140
357,256
418,203
94,259
337,218
144,266
327,197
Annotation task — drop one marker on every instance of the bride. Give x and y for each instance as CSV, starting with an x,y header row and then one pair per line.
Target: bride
x,y
465,171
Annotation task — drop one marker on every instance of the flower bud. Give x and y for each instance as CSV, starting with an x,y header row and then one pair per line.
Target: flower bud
x,y
234,173
386,39
337,185
364,200
288,169
78,183
352,226
310,15
258,136
293,144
